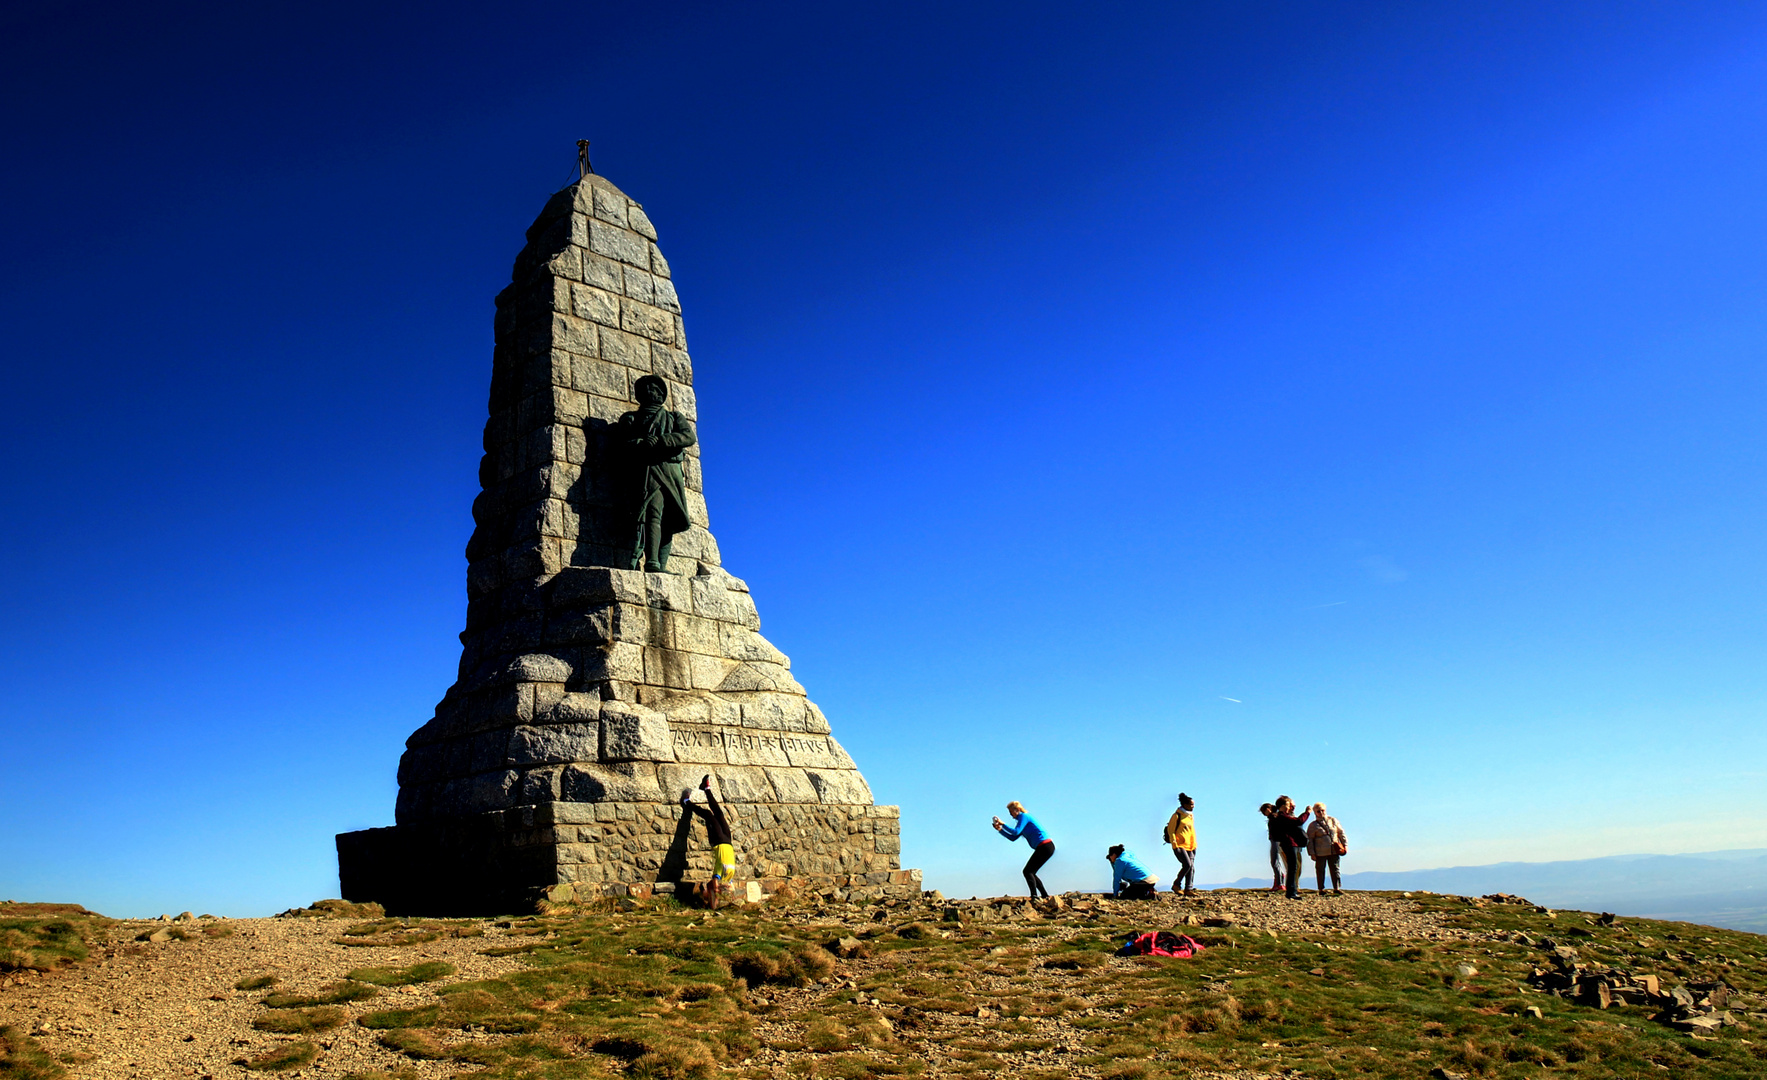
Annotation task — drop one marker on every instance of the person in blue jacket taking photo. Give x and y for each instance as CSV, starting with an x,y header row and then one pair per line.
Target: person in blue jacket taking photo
x,y
1042,847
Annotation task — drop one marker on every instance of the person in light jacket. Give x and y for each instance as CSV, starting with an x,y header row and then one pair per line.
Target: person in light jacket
x,y
1323,838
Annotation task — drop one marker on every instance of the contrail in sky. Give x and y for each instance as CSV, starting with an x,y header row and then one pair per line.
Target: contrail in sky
x,y
1235,700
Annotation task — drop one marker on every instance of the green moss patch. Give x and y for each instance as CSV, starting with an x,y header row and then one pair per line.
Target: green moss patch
x,y
295,1055
22,1059
301,1021
43,937
405,976
337,993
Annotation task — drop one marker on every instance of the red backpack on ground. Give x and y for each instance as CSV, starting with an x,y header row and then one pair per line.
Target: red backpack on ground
x,y
1161,943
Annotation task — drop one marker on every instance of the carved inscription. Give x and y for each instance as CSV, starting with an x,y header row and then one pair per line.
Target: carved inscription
x,y
736,740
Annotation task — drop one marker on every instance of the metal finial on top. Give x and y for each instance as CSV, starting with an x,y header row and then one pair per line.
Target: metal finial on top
x,y
583,166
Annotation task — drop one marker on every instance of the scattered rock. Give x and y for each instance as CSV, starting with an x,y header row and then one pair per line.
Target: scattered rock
x,y
848,948
1466,971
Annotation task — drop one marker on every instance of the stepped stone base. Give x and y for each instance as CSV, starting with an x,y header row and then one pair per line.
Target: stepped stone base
x,y
502,861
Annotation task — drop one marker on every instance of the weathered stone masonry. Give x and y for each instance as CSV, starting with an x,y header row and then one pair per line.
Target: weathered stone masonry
x,y
590,696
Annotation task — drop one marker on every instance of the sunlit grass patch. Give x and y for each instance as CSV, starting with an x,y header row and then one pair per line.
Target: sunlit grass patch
x,y
335,909
301,1021
800,966
295,1055
399,932
387,1019
857,1067
256,982
416,1043
334,994
22,1059
405,976
43,937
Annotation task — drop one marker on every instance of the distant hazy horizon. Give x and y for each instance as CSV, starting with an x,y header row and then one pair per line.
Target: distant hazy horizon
x,y
1719,888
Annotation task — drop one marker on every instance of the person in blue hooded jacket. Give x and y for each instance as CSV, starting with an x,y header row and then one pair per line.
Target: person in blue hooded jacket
x,y
1042,847
1129,879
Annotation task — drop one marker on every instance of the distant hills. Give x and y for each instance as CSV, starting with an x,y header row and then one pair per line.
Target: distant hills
x,y
1718,888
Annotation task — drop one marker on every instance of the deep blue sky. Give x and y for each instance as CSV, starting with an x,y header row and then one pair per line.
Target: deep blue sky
x,y
1362,402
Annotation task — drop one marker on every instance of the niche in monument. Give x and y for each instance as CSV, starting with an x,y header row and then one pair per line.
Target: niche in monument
x,y
609,660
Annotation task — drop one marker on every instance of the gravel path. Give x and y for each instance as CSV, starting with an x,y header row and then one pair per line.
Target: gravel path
x,y
169,1009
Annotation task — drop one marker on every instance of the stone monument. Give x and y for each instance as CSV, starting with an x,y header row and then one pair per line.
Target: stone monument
x,y
609,660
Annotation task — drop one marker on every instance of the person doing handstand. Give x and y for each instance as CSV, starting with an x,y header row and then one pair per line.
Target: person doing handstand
x,y
718,834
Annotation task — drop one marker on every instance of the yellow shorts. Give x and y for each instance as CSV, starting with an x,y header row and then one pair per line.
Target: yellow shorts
x,y
725,856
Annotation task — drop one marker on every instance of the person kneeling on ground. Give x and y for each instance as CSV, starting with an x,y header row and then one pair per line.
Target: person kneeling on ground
x,y
718,834
1129,879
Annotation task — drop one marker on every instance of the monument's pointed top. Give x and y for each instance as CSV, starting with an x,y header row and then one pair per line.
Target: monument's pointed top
x,y
612,206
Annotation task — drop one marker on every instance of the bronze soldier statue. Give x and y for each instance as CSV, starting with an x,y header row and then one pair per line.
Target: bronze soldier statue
x,y
654,441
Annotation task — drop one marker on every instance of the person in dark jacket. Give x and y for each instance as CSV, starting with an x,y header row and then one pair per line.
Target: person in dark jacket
x,y
1290,830
719,836
1269,812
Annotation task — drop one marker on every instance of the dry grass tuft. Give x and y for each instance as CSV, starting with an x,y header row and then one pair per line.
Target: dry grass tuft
x,y
22,1059
394,933
296,1055
405,976
335,909
43,937
335,994
801,966
301,1021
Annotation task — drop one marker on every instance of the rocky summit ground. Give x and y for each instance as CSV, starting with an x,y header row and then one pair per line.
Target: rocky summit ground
x,y
1366,984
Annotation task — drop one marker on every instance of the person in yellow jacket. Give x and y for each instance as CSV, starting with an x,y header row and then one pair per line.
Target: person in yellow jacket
x,y
1181,834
